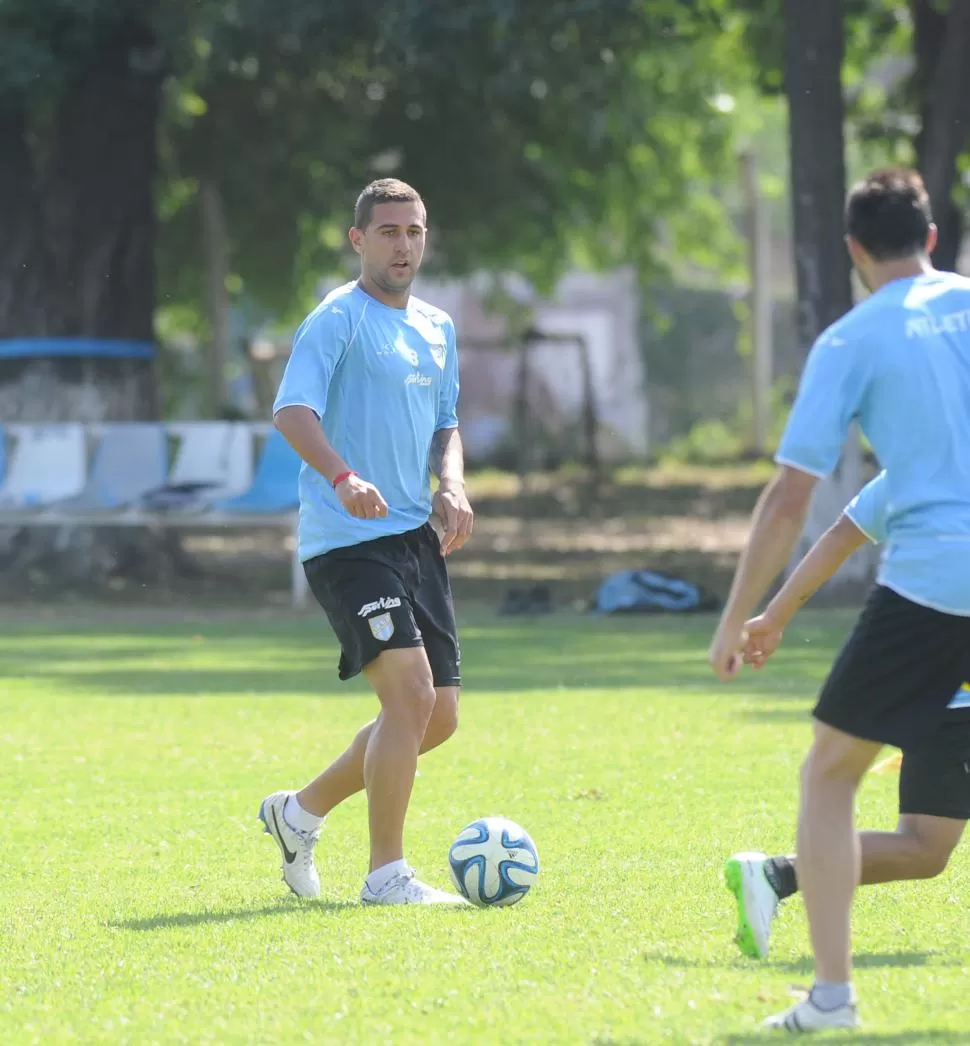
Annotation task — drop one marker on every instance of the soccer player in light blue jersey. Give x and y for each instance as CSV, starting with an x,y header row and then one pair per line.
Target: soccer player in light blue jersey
x,y
898,364
934,779
369,402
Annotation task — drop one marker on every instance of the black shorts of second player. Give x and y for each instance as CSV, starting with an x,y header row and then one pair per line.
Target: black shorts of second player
x,y
934,779
897,672
386,594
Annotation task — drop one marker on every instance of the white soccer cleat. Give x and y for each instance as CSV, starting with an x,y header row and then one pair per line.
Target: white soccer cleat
x,y
405,889
805,1017
744,875
299,871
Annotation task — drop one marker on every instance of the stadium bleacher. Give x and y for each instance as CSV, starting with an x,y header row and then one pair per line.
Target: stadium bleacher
x,y
151,474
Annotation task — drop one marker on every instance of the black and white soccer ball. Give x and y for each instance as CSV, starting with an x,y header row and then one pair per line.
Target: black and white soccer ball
x,y
494,862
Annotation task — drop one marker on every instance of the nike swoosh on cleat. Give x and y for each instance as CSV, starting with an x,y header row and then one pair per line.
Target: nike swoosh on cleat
x,y
289,855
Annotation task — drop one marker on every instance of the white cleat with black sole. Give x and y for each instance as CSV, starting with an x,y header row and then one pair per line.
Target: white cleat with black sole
x,y
406,889
806,1017
299,871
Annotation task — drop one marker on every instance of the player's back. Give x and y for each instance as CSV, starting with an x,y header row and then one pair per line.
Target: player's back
x,y
916,412
909,355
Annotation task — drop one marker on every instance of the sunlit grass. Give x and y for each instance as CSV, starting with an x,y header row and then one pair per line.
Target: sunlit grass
x,y
141,904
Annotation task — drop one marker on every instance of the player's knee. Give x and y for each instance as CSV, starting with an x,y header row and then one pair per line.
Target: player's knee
x,y
932,857
409,695
416,700
444,719
834,756
445,715
932,862
818,765
930,848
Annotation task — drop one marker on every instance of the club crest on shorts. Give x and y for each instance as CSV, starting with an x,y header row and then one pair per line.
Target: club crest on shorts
x,y
382,627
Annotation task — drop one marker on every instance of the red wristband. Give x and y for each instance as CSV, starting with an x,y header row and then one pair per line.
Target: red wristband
x,y
337,480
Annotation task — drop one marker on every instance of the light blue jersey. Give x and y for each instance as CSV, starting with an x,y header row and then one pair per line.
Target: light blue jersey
x,y
869,511
899,364
382,381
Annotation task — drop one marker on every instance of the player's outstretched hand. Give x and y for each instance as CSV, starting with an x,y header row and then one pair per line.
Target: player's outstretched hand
x,y
452,508
361,499
763,637
724,653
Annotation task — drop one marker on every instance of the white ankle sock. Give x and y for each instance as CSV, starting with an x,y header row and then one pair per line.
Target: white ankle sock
x,y
832,995
380,877
298,818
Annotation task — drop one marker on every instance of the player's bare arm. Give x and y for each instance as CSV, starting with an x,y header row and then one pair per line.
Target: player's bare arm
x,y
446,460
833,548
776,525
303,431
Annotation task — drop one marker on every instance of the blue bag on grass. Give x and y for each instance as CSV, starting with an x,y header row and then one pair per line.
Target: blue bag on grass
x,y
650,592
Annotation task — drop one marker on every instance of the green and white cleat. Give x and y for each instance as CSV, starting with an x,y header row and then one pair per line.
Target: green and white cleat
x,y
744,875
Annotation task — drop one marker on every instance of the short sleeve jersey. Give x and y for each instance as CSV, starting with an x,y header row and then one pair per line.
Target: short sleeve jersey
x,y
382,381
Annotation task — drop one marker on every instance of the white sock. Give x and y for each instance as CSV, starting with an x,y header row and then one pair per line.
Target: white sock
x,y
830,996
298,818
380,877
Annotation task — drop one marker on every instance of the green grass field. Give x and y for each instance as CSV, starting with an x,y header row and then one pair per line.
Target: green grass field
x,y
140,903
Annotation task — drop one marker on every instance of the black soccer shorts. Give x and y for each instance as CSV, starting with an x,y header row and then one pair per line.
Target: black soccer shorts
x,y
934,779
389,593
897,672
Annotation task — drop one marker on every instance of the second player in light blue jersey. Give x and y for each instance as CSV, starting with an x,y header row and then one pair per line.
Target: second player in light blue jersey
x,y
898,364
934,779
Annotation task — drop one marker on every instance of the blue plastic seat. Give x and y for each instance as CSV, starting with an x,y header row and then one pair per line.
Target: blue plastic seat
x,y
275,486
131,459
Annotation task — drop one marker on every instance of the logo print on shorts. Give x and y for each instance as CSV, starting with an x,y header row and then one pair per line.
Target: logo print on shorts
x,y
384,603
382,626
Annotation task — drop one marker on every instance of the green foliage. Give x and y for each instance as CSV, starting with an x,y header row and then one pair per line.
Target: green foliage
x,y
716,441
870,27
707,443
540,136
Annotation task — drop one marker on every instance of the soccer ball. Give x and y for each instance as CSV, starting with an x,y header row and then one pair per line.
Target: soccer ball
x,y
493,862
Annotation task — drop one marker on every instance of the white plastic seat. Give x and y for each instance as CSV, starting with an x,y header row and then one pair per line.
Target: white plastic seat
x,y
48,464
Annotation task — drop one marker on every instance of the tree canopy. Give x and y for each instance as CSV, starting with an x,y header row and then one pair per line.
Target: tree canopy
x,y
542,134
538,133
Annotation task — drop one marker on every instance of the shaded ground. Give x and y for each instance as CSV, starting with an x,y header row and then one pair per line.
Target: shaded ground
x,y
558,531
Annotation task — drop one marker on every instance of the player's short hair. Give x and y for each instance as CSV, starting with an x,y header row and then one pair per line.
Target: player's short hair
x,y
384,190
888,213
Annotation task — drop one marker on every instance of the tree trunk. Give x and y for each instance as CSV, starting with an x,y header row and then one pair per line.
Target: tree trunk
x,y
21,257
525,457
759,305
77,261
813,84
942,43
98,192
215,245
590,414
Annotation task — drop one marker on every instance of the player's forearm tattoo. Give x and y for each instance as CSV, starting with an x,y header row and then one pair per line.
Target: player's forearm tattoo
x,y
446,458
